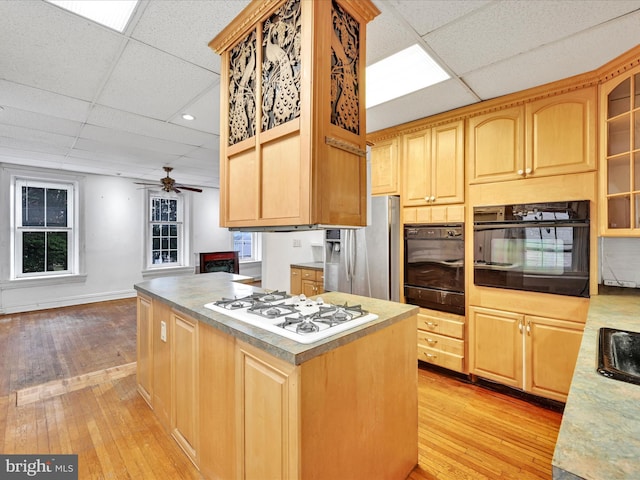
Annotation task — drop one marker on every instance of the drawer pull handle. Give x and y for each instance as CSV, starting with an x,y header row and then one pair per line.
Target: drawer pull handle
x,y
432,342
430,355
431,324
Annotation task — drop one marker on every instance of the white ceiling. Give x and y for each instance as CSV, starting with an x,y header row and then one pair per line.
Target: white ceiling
x,y
78,96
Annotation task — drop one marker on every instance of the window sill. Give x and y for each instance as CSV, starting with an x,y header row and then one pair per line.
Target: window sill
x,y
163,271
42,281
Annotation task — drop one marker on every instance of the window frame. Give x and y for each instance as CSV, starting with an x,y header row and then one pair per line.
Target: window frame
x,y
71,185
184,234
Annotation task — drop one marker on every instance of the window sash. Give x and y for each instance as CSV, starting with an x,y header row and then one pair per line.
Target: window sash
x,y
165,231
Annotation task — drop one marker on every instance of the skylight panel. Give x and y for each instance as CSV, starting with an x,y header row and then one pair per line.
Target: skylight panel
x,y
407,71
114,14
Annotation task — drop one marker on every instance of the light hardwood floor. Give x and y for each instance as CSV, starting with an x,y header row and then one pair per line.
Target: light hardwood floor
x,y
465,431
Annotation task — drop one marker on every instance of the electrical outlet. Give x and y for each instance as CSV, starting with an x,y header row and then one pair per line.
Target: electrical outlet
x,y
297,242
163,331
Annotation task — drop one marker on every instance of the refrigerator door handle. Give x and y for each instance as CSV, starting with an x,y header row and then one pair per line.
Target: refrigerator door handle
x,y
347,256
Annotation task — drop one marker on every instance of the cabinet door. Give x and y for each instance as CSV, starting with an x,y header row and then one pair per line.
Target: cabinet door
x,y
561,134
551,352
184,391
144,367
496,146
447,163
267,416
384,168
495,345
620,153
309,288
416,163
295,286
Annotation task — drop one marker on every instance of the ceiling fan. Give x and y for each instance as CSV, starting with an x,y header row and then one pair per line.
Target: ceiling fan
x,y
168,184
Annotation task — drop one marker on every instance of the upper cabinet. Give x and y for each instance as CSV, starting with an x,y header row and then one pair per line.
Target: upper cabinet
x,y
385,168
292,136
554,135
620,147
433,165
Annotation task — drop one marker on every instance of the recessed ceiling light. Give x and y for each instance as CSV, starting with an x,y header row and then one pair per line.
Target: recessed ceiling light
x,y
114,14
186,116
402,73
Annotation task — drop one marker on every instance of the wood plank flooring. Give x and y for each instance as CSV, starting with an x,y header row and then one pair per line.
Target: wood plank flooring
x,y
465,431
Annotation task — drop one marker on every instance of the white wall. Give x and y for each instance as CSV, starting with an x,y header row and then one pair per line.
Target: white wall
x,y
113,228
278,253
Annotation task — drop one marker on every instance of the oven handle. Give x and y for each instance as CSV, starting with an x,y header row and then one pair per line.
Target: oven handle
x,y
499,226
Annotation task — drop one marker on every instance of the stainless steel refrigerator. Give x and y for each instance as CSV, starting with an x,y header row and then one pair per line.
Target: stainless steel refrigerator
x,y
366,261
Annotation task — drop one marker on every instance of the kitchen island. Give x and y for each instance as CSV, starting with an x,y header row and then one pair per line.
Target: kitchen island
x,y
243,402
599,437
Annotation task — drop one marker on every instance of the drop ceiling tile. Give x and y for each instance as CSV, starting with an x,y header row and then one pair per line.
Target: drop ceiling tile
x,y
137,124
149,82
205,109
507,29
426,17
37,121
35,136
41,101
580,53
127,139
44,47
438,98
387,34
131,153
185,28
205,154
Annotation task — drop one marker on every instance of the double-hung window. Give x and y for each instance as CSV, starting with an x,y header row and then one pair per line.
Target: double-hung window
x,y
247,244
166,230
45,236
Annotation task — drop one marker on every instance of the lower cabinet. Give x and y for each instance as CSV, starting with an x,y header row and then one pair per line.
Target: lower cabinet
x,y
441,339
184,384
267,415
532,353
308,281
144,339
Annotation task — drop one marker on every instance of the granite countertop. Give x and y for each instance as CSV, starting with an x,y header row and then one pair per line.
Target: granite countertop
x,y
310,265
600,433
189,294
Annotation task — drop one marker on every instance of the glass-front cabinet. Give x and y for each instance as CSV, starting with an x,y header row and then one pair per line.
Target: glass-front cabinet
x,y
620,183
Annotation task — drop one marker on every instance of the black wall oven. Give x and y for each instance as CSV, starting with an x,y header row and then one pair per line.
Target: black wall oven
x,y
538,247
434,267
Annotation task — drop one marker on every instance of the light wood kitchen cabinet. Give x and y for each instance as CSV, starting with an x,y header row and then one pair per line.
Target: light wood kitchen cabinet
x,y
433,165
554,135
184,384
528,352
144,345
307,281
267,415
435,214
441,339
385,168
620,151
293,125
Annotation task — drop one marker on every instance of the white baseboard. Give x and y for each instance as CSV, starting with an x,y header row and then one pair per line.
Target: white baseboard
x,y
69,301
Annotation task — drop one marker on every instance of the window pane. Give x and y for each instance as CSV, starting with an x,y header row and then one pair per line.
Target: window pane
x,y
56,207
156,231
173,243
155,209
165,230
165,243
56,251
173,211
173,230
33,252
156,244
173,256
32,207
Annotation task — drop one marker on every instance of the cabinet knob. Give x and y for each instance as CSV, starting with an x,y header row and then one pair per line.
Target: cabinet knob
x,y
430,355
521,172
426,199
433,198
431,341
528,171
431,324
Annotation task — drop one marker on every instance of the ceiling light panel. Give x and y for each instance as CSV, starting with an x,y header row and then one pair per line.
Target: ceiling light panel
x,y
114,14
402,73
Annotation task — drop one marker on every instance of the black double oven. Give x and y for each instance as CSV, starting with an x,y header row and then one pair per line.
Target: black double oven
x,y
537,247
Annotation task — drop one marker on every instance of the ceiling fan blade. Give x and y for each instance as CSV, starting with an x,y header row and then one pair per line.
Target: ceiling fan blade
x,y
193,189
152,184
177,190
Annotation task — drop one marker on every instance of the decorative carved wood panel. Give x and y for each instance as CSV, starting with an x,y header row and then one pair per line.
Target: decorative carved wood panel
x,y
242,90
345,52
281,65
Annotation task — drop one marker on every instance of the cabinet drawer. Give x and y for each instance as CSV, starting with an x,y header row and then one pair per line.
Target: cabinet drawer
x,y
313,275
433,341
442,359
442,325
